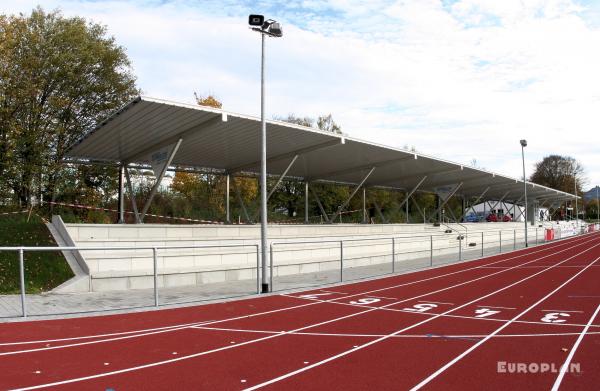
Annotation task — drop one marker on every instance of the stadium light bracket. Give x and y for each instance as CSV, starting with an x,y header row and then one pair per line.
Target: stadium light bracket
x,y
267,27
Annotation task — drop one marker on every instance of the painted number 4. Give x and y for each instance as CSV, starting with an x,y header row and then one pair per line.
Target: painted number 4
x,y
554,317
485,312
421,307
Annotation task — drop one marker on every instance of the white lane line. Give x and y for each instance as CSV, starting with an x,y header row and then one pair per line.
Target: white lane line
x,y
565,366
581,312
580,241
382,297
384,308
496,306
130,369
466,352
435,302
359,347
395,336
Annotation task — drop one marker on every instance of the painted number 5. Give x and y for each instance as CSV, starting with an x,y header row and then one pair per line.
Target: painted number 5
x,y
554,317
421,307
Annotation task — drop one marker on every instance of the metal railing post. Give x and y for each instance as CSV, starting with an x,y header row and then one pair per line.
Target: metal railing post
x,y
155,267
460,247
271,266
341,260
514,239
536,236
22,278
481,244
258,269
431,250
393,255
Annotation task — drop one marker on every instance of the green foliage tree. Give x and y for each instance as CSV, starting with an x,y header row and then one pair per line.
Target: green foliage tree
x,y
559,172
59,76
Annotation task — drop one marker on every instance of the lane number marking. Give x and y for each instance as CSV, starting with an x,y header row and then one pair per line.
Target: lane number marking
x,y
314,295
421,307
367,300
485,312
554,317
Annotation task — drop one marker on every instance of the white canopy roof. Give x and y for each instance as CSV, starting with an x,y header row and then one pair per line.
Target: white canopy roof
x,y
230,143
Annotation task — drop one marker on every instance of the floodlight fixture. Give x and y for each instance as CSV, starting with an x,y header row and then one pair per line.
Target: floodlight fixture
x,y
523,143
268,27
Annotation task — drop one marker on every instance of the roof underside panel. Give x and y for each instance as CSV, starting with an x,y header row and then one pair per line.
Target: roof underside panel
x,y
216,139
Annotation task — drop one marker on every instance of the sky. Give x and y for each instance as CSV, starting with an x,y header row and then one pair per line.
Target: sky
x,y
462,80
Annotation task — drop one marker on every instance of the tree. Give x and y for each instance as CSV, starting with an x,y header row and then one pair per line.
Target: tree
x,y
326,123
290,194
208,100
559,172
58,77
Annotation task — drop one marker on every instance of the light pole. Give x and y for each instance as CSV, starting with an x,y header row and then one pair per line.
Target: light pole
x,y
597,206
523,145
576,207
269,28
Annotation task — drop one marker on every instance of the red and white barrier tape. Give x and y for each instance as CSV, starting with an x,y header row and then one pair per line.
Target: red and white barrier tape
x,y
13,213
130,212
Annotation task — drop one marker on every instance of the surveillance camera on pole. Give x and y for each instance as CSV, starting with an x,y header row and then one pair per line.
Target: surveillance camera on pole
x,y
269,28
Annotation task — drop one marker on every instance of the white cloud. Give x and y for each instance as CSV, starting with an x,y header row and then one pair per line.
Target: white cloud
x,y
460,80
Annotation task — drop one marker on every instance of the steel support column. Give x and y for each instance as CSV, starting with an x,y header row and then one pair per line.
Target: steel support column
x,y
132,196
227,207
159,180
323,213
341,207
306,202
364,205
379,212
475,203
238,195
442,204
410,193
121,207
499,201
279,180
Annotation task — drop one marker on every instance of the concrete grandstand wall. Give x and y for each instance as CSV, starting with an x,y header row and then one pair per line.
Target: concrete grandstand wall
x,y
112,267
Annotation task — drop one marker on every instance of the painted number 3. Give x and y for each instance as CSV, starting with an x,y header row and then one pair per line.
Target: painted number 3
x,y
554,317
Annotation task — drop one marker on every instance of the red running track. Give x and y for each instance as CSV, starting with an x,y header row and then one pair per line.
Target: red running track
x,y
525,319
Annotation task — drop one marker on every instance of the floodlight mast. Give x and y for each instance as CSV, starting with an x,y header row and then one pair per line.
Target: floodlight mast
x,y
523,145
269,28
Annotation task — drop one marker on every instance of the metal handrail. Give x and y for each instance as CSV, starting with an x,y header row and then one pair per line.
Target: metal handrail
x,y
393,241
21,251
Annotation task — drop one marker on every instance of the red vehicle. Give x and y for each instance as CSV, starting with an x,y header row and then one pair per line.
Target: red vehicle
x,y
491,218
507,218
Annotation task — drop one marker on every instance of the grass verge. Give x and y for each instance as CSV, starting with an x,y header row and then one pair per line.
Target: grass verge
x,y
43,270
